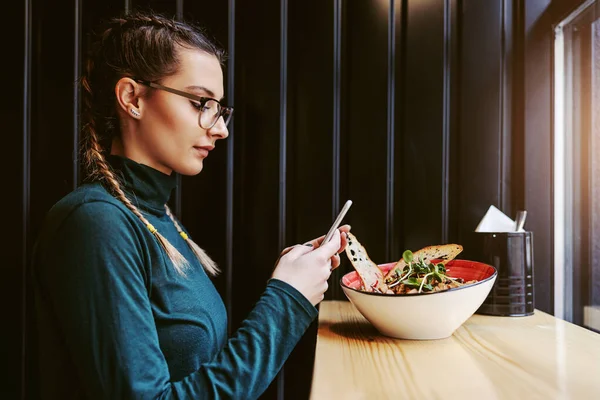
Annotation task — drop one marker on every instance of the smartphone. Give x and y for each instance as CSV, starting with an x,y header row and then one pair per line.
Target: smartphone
x,y
337,222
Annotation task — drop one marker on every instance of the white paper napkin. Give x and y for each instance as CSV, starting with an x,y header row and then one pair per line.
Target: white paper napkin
x,y
495,220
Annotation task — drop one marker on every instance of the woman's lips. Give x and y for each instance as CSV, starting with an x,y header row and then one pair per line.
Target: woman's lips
x,y
203,150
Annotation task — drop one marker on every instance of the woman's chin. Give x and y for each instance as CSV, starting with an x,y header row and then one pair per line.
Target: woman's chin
x,y
191,168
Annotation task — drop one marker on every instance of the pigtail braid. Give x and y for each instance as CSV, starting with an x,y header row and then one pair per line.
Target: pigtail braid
x,y
99,169
209,265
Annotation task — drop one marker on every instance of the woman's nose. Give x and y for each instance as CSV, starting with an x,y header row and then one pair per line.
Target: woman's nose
x,y
219,129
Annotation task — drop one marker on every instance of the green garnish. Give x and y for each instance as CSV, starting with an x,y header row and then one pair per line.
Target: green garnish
x,y
420,274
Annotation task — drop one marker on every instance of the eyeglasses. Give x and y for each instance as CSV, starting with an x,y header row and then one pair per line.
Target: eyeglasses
x,y
210,109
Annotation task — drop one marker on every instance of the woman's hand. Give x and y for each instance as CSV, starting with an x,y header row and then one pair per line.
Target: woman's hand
x,y
307,267
335,260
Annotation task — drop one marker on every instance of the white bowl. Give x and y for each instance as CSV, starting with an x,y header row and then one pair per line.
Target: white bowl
x,y
424,315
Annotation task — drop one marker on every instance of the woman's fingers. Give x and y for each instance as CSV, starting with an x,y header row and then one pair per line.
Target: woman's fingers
x,y
329,249
316,243
343,229
285,251
335,262
298,250
344,243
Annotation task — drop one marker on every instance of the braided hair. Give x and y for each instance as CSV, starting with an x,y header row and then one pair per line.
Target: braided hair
x,y
145,46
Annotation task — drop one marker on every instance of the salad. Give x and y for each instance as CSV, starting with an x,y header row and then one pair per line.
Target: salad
x,y
421,272
420,276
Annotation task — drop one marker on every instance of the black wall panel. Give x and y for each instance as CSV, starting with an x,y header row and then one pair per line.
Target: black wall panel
x,y
420,111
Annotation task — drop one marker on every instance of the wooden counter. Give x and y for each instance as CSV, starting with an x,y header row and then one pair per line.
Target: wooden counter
x,y
534,357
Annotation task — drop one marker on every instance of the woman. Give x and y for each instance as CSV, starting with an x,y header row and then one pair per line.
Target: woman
x,y
125,305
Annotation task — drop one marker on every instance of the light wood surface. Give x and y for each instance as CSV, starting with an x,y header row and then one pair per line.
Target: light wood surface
x,y
534,357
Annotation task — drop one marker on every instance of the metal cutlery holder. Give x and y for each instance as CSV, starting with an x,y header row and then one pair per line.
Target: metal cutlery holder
x,y
511,253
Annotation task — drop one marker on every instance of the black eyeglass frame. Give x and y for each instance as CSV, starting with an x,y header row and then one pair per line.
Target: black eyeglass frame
x,y
224,112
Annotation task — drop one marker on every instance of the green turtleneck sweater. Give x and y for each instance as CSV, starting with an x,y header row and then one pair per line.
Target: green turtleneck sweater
x,y
116,321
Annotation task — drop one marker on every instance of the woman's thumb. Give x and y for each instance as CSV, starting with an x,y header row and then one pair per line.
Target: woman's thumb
x,y
326,250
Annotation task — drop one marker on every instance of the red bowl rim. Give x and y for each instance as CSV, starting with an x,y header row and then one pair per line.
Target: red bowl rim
x,y
424,293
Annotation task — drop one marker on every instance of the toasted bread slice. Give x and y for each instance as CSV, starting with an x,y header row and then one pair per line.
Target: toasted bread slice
x,y
442,253
370,274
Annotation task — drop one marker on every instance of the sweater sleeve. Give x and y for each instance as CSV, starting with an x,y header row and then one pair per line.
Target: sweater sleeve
x,y
94,281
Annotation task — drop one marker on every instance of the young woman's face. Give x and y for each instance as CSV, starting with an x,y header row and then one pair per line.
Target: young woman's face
x,y
168,136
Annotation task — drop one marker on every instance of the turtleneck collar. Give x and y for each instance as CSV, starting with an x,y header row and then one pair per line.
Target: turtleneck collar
x,y
146,187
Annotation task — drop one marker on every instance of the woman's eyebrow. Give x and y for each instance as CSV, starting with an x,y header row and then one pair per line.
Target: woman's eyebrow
x,y
206,90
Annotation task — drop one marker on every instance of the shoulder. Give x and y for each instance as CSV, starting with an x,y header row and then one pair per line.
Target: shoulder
x,y
90,208
91,228
90,241
88,193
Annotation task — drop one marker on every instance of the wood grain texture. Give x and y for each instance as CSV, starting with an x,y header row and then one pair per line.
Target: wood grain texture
x,y
531,357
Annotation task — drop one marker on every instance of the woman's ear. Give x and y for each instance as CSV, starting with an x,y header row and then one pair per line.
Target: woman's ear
x,y
128,92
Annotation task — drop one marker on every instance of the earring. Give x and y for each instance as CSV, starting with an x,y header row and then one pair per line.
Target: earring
x,y
134,112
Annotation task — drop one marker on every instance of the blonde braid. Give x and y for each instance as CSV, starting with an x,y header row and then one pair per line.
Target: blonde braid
x,y
99,169
209,265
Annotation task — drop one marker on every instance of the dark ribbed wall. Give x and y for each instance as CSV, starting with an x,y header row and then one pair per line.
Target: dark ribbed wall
x,y
414,109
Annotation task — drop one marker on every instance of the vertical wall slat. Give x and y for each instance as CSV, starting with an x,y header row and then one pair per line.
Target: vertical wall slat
x,y
391,112
53,87
179,188
229,217
282,122
25,194
454,28
76,89
52,141
510,89
446,119
283,44
179,9
335,291
538,146
400,101
337,76
256,152
501,102
257,148
479,156
517,106
311,156
422,156
364,124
